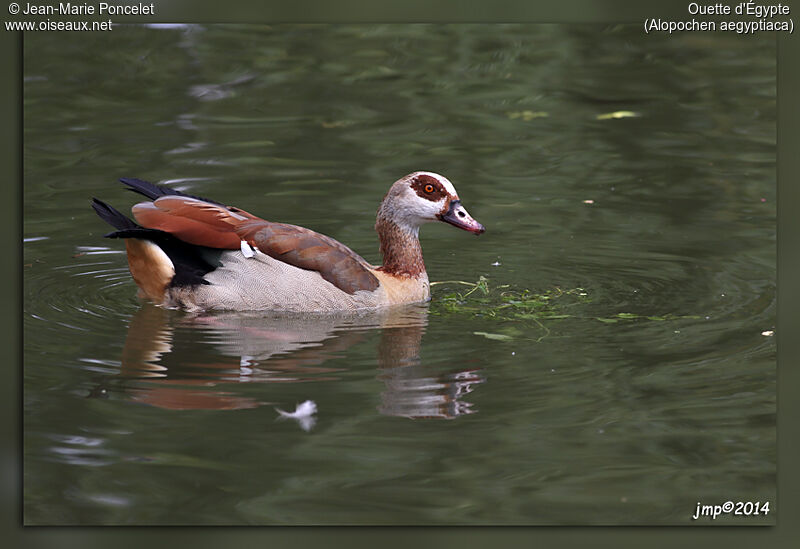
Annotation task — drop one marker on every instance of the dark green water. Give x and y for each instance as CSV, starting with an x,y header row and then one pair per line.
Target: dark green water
x,y
136,415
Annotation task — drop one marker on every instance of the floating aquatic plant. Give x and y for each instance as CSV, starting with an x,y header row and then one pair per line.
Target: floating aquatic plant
x,y
617,114
527,116
502,302
506,303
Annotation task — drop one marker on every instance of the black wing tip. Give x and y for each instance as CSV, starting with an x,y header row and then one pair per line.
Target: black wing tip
x,y
97,203
154,190
133,181
112,216
150,190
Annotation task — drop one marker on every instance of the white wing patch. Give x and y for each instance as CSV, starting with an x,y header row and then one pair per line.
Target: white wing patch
x,y
247,251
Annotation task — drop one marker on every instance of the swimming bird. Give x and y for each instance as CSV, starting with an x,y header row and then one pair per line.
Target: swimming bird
x,y
198,254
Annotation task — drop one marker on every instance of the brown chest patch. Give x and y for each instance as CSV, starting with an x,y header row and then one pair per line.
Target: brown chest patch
x,y
404,289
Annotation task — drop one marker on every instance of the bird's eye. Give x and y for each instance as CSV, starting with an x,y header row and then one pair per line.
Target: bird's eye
x,y
429,188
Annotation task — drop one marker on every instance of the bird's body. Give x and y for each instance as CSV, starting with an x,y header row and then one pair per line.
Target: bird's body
x,y
197,254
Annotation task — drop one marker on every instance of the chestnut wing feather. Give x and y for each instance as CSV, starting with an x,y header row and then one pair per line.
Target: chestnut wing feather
x,y
306,249
193,220
203,223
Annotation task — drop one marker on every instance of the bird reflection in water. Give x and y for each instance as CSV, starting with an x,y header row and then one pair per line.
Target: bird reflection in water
x,y
414,391
197,362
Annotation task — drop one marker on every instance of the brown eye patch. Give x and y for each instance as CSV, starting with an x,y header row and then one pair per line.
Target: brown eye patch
x,y
428,187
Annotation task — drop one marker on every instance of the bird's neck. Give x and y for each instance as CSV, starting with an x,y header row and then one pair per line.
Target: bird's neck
x,y
402,253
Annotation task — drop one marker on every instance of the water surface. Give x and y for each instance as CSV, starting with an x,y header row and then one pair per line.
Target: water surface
x,y
636,170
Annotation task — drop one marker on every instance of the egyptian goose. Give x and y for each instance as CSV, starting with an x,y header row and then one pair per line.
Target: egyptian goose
x,y
197,254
